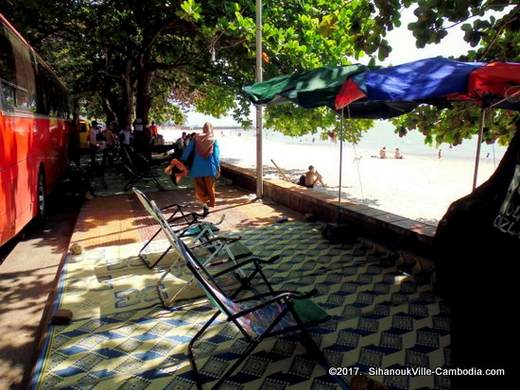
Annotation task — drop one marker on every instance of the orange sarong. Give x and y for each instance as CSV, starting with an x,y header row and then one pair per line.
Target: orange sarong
x,y
205,190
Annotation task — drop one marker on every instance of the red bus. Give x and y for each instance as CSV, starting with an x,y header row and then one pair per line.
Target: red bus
x,y
33,132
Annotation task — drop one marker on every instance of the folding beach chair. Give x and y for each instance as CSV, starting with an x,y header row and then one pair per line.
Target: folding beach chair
x,y
188,222
192,225
138,168
257,317
215,263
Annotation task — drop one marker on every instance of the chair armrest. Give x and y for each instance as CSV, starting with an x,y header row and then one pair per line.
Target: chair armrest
x,y
260,296
227,240
229,269
280,297
270,260
176,205
249,260
182,217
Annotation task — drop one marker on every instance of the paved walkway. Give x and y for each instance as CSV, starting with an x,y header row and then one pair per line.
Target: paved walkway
x,y
122,338
27,277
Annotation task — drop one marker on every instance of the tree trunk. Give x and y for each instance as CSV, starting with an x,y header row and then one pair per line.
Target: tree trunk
x,y
108,103
128,95
474,267
143,104
74,142
143,94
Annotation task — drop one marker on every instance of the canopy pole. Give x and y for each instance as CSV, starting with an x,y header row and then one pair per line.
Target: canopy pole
x,y
259,163
477,155
340,162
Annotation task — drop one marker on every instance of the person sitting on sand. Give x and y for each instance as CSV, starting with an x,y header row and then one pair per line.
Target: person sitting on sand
x,y
382,152
397,154
311,177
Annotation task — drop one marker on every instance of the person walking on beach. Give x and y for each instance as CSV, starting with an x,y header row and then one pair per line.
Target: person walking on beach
x,y
206,165
382,152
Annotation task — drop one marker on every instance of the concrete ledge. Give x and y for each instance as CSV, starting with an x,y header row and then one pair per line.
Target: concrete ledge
x,y
391,229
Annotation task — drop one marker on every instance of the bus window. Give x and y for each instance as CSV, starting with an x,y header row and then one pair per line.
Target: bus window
x,y
22,100
8,96
7,70
42,91
25,84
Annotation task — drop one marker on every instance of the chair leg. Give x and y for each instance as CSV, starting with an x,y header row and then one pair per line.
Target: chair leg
x,y
133,180
190,348
161,257
315,351
140,254
157,183
236,364
167,303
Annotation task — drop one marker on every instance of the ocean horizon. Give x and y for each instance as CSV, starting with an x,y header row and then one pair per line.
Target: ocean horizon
x,y
380,135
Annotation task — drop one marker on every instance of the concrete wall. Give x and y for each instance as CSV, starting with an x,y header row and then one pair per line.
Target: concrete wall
x,y
393,230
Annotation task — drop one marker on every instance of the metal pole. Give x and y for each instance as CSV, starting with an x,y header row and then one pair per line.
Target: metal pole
x,y
340,162
477,156
259,163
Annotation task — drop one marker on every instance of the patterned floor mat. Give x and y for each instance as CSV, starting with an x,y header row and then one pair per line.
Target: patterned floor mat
x,y
379,318
115,182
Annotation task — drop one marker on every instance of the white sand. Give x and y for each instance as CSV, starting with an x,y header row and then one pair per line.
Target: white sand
x,y
418,187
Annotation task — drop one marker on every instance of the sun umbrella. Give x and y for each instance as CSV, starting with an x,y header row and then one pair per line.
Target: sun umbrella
x,y
388,92
308,89
410,82
437,81
319,87
433,78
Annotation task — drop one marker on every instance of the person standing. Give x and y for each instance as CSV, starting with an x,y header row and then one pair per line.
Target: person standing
x,y
205,168
93,142
125,137
154,130
180,144
110,143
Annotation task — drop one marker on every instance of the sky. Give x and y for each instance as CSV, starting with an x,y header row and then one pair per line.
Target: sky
x,y
403,50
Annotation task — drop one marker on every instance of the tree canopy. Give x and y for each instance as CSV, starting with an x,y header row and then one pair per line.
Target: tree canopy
x,y
153,59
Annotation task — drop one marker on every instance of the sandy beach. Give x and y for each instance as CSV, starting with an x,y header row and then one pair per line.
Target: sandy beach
x,y
421,186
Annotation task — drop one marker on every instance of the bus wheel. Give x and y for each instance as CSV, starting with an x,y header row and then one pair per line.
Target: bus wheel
x,y
42,197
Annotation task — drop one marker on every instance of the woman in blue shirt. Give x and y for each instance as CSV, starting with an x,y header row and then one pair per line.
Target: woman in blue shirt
x,y
206,165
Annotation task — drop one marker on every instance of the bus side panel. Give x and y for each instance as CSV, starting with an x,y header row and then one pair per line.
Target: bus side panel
x,y
8,167
53,162
26,178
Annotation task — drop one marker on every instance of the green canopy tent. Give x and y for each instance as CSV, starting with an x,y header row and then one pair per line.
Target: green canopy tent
x,y
318,88
308,89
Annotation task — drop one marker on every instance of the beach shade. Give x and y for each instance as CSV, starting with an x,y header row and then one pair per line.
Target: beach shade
x,y
319,87
367,109
437,81
495,85
308,89
414,81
